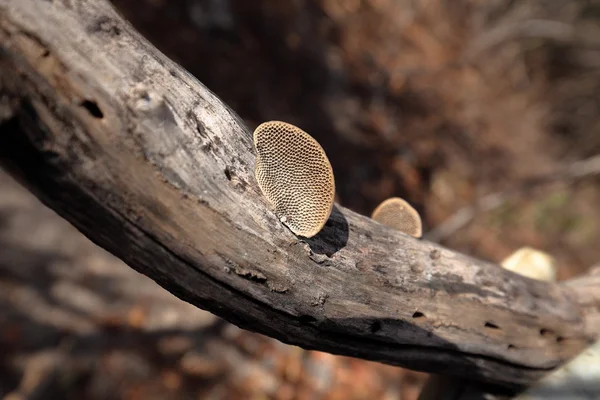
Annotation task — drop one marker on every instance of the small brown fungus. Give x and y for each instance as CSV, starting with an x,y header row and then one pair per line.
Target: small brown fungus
x,y
397,213
294,174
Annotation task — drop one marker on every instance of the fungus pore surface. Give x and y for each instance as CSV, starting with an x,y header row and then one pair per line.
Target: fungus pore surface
x,y
397,213
295,175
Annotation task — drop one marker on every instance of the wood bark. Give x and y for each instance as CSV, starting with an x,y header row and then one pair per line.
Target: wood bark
x,y
152,166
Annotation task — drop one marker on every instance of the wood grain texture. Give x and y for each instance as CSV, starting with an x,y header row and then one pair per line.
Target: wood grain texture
x,y
152,166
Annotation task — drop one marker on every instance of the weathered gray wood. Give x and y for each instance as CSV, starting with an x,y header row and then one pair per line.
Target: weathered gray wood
x,y
149,164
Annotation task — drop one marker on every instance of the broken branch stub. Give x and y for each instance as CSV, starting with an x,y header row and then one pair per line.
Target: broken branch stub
x,y
294,174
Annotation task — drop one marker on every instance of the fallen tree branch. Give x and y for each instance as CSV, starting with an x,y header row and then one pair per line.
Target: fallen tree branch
x,y
150,165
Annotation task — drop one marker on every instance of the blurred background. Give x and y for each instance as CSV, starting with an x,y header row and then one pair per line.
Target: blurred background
x,y
483,114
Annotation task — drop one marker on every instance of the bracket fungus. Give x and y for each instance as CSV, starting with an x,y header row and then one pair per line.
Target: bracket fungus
x,y
294,174
532,263
397,213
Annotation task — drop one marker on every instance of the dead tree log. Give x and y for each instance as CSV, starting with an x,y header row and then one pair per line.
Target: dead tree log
x,y
152,166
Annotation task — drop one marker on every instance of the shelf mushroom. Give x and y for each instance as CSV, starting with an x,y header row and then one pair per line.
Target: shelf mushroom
x,y
294,174
398,214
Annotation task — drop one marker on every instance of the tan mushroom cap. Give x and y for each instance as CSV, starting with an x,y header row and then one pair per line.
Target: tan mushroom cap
x,y
532,263
295,175
397,213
